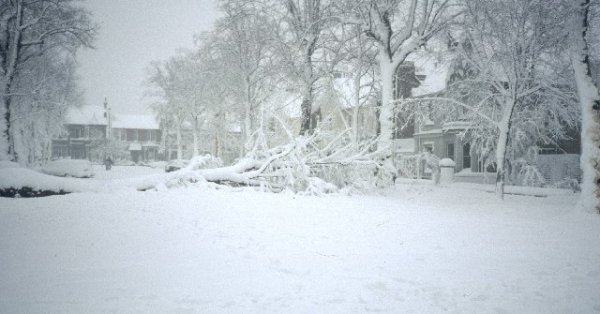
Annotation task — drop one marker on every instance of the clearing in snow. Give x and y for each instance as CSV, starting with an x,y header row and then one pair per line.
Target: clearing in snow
x,y
417,249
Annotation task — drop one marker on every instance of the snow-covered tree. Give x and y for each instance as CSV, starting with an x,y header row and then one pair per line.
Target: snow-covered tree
x,y
28,30
398,28
244,39
301,27
165,80
589,100
38,115
356,84
514,91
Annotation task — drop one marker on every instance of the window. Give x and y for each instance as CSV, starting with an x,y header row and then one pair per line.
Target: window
x,y
143,135
428,147
131,135
450,151
467,156
403,128
76,131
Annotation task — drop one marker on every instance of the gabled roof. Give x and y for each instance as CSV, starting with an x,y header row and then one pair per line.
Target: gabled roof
x,y
88,115
94,115
434,69
134,121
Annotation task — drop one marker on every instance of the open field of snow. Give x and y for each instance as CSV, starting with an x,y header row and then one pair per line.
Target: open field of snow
x,y
417,249
123,172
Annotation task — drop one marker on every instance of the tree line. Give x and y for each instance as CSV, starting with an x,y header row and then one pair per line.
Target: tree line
x,y
520,70
38,43
512,64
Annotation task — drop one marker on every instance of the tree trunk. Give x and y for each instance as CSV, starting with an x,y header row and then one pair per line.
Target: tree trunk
x,y
309,118
5,127
306,106
589,100
217,146
500,158
179,144
501,148
163,141
386,110
355,111
6,138
196,149
247,128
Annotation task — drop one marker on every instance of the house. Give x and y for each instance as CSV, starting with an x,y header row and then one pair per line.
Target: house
x,y
92,132
141,133
447,139
82,126
422,76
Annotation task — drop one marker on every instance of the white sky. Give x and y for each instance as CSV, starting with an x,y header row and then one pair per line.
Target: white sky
x,y
132,34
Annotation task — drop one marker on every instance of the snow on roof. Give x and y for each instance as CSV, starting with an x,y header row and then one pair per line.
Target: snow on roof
x,y
94,115
436,72
134,121
433,131
90,115
456,125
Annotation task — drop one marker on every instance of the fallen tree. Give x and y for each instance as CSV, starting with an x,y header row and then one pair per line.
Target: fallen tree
x,y
323,162
299,167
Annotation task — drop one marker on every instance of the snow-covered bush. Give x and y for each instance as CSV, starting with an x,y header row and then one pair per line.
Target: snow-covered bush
x,y
531,176
408,166
569,184
526,169
204,162
447,162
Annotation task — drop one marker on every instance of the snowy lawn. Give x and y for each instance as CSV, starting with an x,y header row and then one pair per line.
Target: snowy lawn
x,y
123,172
418,249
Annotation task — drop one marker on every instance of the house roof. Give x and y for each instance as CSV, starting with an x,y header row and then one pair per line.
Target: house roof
x,y
456,126
94,115
89,115
434,69
134,121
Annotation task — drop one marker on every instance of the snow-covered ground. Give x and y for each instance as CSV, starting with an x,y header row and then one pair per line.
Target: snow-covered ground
x,y
124,172
417,249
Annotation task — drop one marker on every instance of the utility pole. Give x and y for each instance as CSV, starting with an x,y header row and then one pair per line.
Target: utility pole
x,y
108,128
108,119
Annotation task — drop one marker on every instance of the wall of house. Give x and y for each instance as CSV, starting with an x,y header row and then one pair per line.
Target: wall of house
x,y
136,135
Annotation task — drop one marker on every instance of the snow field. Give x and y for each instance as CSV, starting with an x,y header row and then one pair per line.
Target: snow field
x,y
124,172
418,249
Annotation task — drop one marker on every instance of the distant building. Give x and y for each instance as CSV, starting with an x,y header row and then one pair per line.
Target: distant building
x,y
141,133
86,133
423,75
82,125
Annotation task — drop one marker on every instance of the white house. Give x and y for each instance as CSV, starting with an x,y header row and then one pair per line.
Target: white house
x,y
88,128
